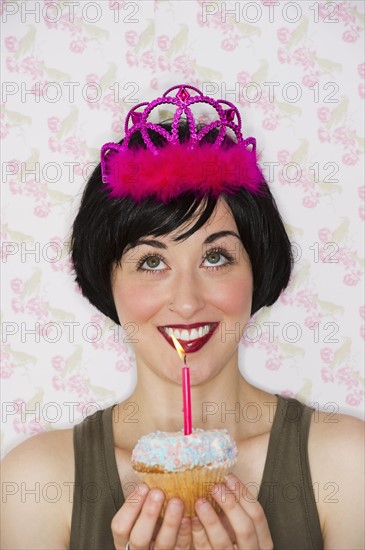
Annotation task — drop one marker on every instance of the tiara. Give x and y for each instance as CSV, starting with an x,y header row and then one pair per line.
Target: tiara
x,y
165,172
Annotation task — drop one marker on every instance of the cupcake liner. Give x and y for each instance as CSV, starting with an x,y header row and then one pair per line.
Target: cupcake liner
x,y
188,485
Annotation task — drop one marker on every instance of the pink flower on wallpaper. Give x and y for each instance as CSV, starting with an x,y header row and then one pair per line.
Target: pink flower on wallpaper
x,y
323,114
352,35
284,56
362,331
229,44
35,306
58,383
283,35
243,78
361,70
310,80
123,366
181,64
42,210
324,235
30,65
323,135
284,156
154,84
58,363
310,201
327,374
17,285
327,355
163,63
350,158
343,135
303,56
286,298
361,90
353,278
345,375
6,369
131,37
11,43
270,123
78,385
17,305
12,65
131,59
163,42
78,46
354,399
273,364
148,59
54,124
53,144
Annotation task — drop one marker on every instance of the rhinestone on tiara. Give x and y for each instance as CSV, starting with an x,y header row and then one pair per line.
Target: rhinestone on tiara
x,y
137,172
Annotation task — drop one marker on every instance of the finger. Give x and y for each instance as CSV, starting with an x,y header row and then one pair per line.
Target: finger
x,y
126,516
167,534
217,535
200,538
141,534
243,526
253,509
184,535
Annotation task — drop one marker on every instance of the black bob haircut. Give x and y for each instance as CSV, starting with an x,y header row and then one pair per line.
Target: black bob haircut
x,y
104,227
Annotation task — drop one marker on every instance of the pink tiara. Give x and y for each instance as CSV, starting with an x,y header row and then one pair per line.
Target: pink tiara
x,y
167,171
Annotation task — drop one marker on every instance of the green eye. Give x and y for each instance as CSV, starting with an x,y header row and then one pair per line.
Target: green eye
x,y
153,262
214,257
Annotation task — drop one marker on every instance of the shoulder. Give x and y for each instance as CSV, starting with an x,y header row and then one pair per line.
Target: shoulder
x,y
37,486
336,457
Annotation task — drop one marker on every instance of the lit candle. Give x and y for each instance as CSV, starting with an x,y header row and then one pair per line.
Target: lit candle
x,y
185,373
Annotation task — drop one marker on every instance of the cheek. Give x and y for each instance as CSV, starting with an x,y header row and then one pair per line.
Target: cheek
x,y
136,303
235,299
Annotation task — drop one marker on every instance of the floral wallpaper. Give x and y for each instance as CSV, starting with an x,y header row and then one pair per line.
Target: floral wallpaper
x,y
70,73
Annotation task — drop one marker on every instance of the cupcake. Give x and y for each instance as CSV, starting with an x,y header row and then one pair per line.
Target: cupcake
x,y
185,466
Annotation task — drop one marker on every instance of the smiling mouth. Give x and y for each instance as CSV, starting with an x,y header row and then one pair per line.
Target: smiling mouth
x,y
191,337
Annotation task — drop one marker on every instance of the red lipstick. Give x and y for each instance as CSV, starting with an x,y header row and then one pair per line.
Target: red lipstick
x,y
190,346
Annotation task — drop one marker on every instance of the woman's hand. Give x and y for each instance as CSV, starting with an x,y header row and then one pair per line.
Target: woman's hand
x,y
242,525
138,523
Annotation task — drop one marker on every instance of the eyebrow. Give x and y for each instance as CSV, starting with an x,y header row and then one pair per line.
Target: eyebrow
x,y
210,239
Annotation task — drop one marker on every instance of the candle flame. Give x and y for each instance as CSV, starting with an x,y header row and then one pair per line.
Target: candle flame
x,y
179,348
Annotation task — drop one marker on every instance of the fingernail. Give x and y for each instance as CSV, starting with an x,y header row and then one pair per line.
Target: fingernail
x,y
142,489
157,496
231,481
175,505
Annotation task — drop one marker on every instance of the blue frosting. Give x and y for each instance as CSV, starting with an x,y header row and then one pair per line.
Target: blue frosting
x,y
176,451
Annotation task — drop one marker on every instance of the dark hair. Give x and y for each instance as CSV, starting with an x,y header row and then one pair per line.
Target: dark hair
x,y
104,227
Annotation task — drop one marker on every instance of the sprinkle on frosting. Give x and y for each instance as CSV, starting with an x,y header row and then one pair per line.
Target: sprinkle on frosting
x,y
174,451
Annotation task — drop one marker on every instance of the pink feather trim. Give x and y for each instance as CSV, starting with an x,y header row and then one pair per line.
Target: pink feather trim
x,y
176,168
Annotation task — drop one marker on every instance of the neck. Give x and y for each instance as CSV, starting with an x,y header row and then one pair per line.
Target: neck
x,y
218,403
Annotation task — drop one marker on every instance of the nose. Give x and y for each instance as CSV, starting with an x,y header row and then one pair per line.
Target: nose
x,y
186,297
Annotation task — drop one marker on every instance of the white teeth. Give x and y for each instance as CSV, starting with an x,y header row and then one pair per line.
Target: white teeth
x,y
194,334
187,335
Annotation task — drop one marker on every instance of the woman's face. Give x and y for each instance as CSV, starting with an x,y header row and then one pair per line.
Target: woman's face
x,y
199,289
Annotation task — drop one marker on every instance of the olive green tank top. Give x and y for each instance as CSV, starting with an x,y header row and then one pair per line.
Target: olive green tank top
x,y
286,492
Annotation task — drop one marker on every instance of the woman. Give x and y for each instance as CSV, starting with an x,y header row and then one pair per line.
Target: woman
x,y
183,237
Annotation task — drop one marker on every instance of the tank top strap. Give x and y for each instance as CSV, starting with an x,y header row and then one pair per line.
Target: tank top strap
x,y
286,491
97,491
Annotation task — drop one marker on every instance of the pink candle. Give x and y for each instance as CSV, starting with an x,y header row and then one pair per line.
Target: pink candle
x,y
185,373
186,399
